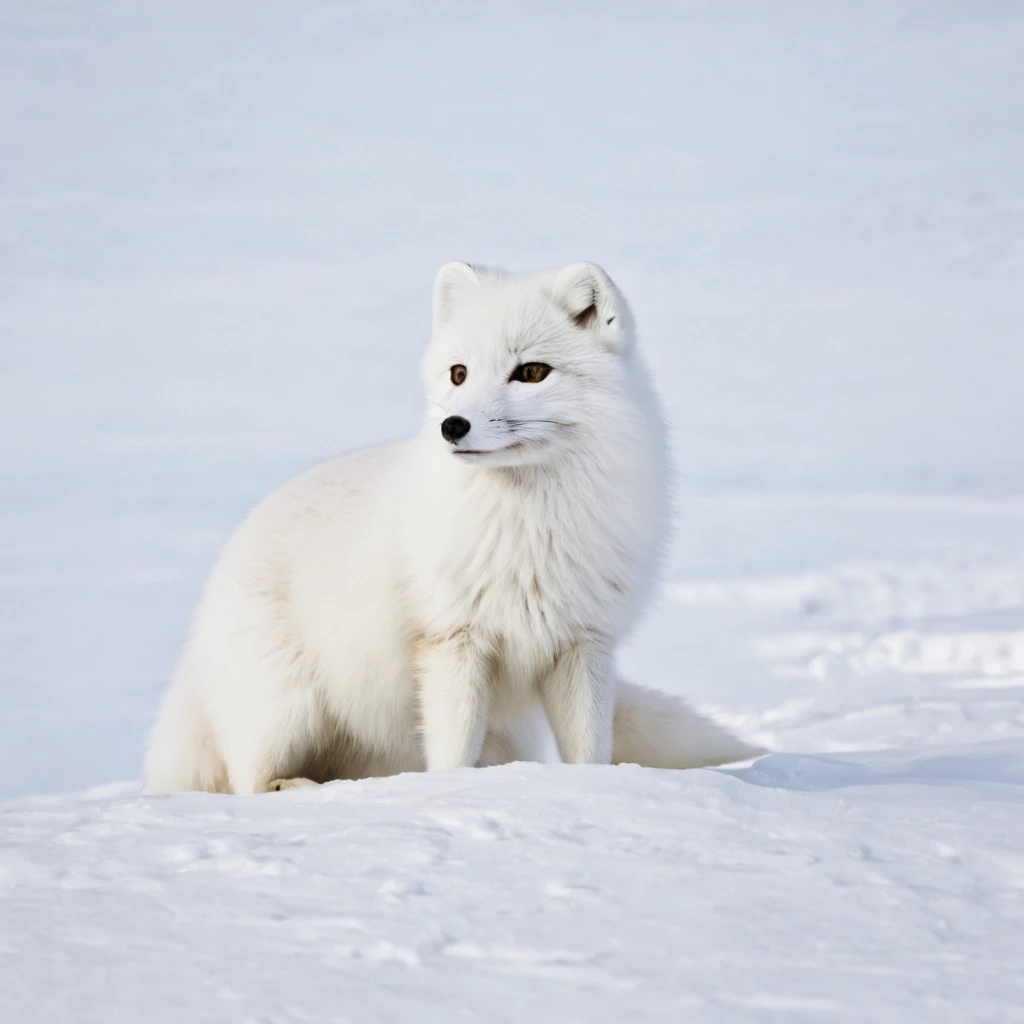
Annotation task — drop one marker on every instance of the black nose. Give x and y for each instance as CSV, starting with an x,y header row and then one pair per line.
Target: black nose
x,y
454,428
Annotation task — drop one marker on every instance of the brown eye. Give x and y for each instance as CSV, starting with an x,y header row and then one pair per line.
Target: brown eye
x,y
458,373
531,373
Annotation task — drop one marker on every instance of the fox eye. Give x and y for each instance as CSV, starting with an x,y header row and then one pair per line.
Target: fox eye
x,y
458,374
530,373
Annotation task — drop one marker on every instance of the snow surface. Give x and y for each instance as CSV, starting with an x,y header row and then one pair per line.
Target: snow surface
x,y
885,887
218,229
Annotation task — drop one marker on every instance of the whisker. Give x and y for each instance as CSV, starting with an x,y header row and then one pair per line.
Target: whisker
x,y
527,423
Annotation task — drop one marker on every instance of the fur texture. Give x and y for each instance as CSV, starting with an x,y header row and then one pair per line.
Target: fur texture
x,y
438,602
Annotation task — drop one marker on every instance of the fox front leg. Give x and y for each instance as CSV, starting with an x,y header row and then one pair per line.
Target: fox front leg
x,y
579,698
452,684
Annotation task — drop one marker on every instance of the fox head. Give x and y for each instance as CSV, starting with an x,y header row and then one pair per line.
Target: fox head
x,y
527,368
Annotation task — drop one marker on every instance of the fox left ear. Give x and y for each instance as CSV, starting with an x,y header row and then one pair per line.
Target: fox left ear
x,y
593,303
452,280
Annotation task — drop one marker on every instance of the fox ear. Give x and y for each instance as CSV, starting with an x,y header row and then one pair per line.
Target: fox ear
x,y
452,280
593,303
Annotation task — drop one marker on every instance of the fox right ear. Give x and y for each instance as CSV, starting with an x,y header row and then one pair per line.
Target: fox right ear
x,y
594,304
452,281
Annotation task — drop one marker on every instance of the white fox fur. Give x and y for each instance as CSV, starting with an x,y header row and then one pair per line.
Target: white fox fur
x,y
423,604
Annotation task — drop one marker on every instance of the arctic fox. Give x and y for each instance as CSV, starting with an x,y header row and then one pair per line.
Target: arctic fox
x,y
427,603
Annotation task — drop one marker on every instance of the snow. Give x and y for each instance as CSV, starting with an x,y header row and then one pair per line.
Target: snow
x,y
807,887
218,230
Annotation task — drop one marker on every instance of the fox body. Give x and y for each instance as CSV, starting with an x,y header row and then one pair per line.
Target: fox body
x,y
455,598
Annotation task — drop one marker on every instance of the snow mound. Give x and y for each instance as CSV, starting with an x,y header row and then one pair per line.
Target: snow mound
x,y
877,887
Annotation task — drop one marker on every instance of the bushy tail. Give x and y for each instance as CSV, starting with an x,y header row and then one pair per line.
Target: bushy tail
x,y
181,755
657,730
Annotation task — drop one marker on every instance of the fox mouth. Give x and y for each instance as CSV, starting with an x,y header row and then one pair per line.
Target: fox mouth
x,y
524,445
514,446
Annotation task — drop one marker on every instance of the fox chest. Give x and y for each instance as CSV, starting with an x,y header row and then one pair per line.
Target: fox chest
x,y
535,584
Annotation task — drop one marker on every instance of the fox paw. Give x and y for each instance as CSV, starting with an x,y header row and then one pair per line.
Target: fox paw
x,y
276,785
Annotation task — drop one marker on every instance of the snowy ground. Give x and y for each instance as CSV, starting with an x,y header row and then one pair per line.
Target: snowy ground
x,y
218,229
808,887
